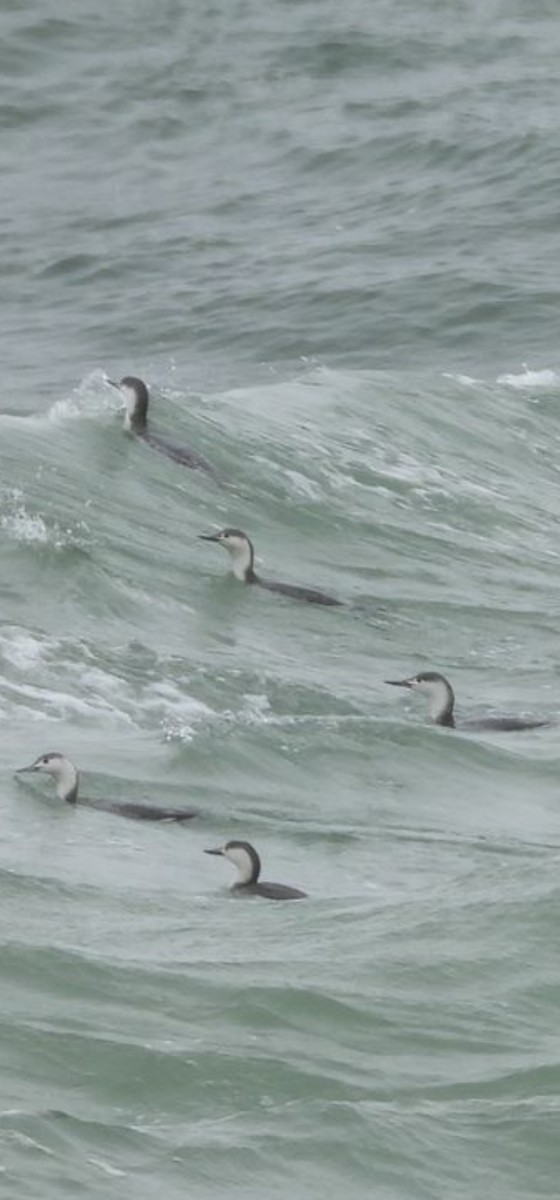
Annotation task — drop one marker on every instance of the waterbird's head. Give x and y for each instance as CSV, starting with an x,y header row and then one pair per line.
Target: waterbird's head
x,y
240,549
438,690
135,399
244,857
63,771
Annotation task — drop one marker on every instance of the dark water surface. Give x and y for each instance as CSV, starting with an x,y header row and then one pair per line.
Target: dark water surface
x,y
328,238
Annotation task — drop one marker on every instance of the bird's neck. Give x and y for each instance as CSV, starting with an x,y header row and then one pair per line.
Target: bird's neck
x,y
441,708
134,423
67,783
242,564
248,871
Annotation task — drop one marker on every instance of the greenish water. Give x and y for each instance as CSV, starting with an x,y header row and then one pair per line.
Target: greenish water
x,y
328,239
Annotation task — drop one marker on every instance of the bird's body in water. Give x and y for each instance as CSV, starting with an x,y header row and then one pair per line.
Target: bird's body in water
x,y
442,704
67,779
245,858
240,550
136,399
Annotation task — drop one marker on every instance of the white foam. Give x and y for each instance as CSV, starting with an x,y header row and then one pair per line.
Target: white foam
x,y
22,650
177,714
465,380
53,680
31,528
256,709
22,526
93,397
528,379
23,1139
63,704
107,1168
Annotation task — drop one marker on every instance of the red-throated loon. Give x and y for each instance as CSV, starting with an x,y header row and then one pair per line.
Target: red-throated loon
x,y
442,701
136,399
242,555
67,779
245,858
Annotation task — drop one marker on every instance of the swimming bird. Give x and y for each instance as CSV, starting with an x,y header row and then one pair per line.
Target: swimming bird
x,y
136,399
67,779
240,550
442,701
245,858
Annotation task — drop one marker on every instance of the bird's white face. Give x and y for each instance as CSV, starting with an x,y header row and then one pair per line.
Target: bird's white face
x,y
430,687
437,689
419,683
62,770
51,764
422,685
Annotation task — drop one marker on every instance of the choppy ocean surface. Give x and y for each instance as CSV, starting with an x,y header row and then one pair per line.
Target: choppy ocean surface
x,y
327,236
